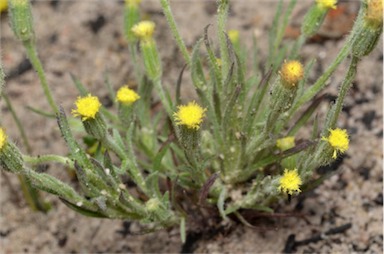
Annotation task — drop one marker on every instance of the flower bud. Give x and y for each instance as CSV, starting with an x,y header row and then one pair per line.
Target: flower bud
x,y
285,143
126,97
88,108
374,13
291,73
189,117
10,156
369,26
315,16
283,91
144,31
21,19
131,17
234,36
96,127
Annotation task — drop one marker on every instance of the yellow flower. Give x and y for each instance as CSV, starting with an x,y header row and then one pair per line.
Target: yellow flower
x,y
374,14
3,5
126,96
233,36
285,143
87,107
3,138
326,4
339,140
190,115
291,73
144,29
290,182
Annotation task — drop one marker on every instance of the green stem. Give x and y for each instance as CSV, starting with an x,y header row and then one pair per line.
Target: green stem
x,y
346,85
32,55
126,157
111,144
255,142
25,188
18,123
321,82
297,46
134,56
167,104
175,32
48,158
222,14
30,194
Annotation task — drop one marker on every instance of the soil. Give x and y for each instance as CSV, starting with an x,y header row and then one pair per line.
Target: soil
x,y
344,214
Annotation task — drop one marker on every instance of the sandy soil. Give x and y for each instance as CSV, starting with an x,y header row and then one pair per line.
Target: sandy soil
x,y
85,38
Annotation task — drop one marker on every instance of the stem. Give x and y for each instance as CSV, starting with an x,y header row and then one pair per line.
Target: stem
x,y
222,14
111,144
321,82
345,86
18,123
30,194
175,32
254,143
167,104
32,55
133,54
48,158
298,44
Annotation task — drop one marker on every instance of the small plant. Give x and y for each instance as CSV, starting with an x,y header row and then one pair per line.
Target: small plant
x,y
234,148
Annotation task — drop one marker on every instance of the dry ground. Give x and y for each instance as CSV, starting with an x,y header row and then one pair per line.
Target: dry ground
x,y
85,38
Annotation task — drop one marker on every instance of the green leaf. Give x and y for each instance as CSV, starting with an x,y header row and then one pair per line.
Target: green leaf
x,y
197,73
41,112
159,156
118,139
110,90
183,230
306,115
82,210
77,153
152,183
80,87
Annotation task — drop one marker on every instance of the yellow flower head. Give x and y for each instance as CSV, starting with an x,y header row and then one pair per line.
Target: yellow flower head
x,y
339,140
3,138
190,115
3,5
233,35
290,182
126,96
285,143
291,73
144,29
326,4
87,107
132,3
374,14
